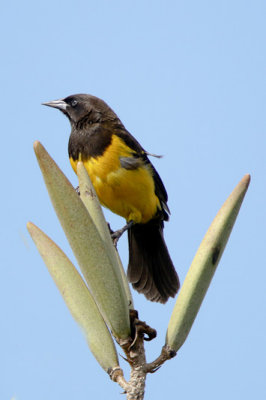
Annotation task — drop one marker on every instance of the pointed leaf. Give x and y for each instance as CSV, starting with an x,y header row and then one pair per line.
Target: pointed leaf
x,y
97,267
203,267
91,202
77,297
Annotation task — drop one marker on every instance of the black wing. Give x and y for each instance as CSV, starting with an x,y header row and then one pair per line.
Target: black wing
x,y
139,157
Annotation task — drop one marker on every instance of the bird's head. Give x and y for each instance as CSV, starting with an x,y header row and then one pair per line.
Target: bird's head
x,y
79,107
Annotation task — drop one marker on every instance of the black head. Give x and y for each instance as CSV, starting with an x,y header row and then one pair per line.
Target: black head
x,y
79,106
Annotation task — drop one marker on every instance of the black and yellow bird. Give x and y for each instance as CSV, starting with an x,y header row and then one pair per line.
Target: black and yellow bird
x,y
127,183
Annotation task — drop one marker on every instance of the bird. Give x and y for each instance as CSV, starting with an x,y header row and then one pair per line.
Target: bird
x,y
127,183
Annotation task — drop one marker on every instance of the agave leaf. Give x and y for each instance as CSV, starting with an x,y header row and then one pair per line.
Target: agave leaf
x,y
203,267
78,298
91,202
90,251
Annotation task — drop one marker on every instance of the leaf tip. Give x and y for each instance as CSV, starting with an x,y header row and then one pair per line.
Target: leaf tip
x,y
31,228
39,149
28,225
246,180
36,145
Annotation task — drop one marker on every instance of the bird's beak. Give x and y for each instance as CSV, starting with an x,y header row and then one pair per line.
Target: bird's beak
x,y
60,104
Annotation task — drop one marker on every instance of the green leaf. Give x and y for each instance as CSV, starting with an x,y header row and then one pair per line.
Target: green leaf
x,y
203,268
78,298
98,268
91,202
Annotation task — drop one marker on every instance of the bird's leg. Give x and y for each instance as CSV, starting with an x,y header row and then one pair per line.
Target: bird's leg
x,y
117,234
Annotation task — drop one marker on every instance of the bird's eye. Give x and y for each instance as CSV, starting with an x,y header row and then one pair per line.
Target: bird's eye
x,y
74,103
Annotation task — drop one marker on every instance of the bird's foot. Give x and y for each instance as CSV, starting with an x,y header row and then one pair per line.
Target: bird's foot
x,y
139,329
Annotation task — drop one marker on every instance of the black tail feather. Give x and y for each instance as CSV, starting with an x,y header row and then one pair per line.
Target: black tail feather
x,y
150,268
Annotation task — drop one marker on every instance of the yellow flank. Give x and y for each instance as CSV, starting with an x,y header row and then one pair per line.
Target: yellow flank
x,y
129,193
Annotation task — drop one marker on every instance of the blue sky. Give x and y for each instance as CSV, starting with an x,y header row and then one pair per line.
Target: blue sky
x,y
187,78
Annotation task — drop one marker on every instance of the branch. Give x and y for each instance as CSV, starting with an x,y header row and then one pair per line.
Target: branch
x,y
135,356
166,354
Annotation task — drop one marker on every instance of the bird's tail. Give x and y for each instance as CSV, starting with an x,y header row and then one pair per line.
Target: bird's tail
x,y
150,268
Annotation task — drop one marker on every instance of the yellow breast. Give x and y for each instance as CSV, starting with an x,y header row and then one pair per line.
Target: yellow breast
x,y
129,193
